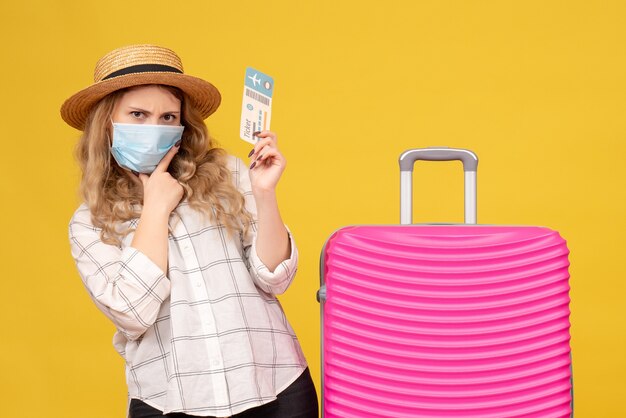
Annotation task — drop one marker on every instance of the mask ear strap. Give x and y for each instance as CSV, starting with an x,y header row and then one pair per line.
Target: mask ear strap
x,y
109,133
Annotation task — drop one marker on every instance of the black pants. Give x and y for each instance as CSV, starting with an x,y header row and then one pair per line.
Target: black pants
x,y
299,400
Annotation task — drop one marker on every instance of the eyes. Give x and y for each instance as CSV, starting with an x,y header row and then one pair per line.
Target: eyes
x,y
168,117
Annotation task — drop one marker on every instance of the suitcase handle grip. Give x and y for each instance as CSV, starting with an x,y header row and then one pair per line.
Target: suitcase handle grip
x,y
408,158
407,161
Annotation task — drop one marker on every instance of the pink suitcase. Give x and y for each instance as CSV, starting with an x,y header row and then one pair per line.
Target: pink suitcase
x,y
445,320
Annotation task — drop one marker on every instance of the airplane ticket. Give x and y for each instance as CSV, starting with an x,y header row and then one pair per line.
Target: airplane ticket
x,y
256,106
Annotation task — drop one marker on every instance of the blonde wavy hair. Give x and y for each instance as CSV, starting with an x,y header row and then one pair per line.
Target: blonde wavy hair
x,y
200,167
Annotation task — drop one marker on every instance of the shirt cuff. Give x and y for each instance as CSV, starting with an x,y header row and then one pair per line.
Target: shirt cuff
x,y
140,268
276,281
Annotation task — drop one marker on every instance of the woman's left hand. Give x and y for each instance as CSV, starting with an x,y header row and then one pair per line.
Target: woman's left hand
x,y
266,166
266,163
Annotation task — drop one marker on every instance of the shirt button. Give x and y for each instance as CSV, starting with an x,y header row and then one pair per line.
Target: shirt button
x,y
198,284
216,363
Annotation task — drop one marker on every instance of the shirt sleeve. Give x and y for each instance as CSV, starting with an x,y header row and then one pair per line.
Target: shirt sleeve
x,y
277,281
124,283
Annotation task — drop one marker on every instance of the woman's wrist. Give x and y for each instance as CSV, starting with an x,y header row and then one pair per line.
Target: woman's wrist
x,y
261,195
155,213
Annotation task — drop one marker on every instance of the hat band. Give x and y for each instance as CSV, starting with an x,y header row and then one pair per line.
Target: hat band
x,y
143,68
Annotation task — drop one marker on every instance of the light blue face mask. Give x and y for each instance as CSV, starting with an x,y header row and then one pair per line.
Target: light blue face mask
x,y
140,147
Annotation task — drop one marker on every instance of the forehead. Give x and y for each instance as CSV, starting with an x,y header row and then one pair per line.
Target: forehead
x,y
148,95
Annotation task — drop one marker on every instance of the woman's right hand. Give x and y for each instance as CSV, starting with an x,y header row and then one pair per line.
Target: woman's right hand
x,y
161,195
162,192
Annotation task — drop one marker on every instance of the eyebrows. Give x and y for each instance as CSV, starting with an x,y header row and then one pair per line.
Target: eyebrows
x,y
138,109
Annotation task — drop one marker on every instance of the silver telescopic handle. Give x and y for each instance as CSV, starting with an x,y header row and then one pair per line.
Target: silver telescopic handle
x,y
407,161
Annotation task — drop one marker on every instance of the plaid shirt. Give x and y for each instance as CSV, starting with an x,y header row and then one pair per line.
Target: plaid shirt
x,y
208,339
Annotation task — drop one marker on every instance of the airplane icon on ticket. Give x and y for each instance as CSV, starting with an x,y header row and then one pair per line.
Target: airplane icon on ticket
x,y
255,79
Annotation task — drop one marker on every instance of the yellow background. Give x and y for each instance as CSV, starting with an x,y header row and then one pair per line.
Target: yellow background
x,y
536,88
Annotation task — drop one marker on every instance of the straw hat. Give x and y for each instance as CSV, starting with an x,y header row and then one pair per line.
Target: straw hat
x,y
137,65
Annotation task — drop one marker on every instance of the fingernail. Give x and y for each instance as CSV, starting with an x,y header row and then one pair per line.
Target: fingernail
x,y
259,157
252,166
256,133
135,173
177,144
251,152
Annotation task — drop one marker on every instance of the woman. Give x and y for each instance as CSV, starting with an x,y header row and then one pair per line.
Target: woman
x,y
183,246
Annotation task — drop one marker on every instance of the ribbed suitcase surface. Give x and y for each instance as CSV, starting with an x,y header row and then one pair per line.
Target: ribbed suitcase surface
x,y
446,321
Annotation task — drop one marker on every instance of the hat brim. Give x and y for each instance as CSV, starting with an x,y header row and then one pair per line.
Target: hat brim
x,y
202,94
